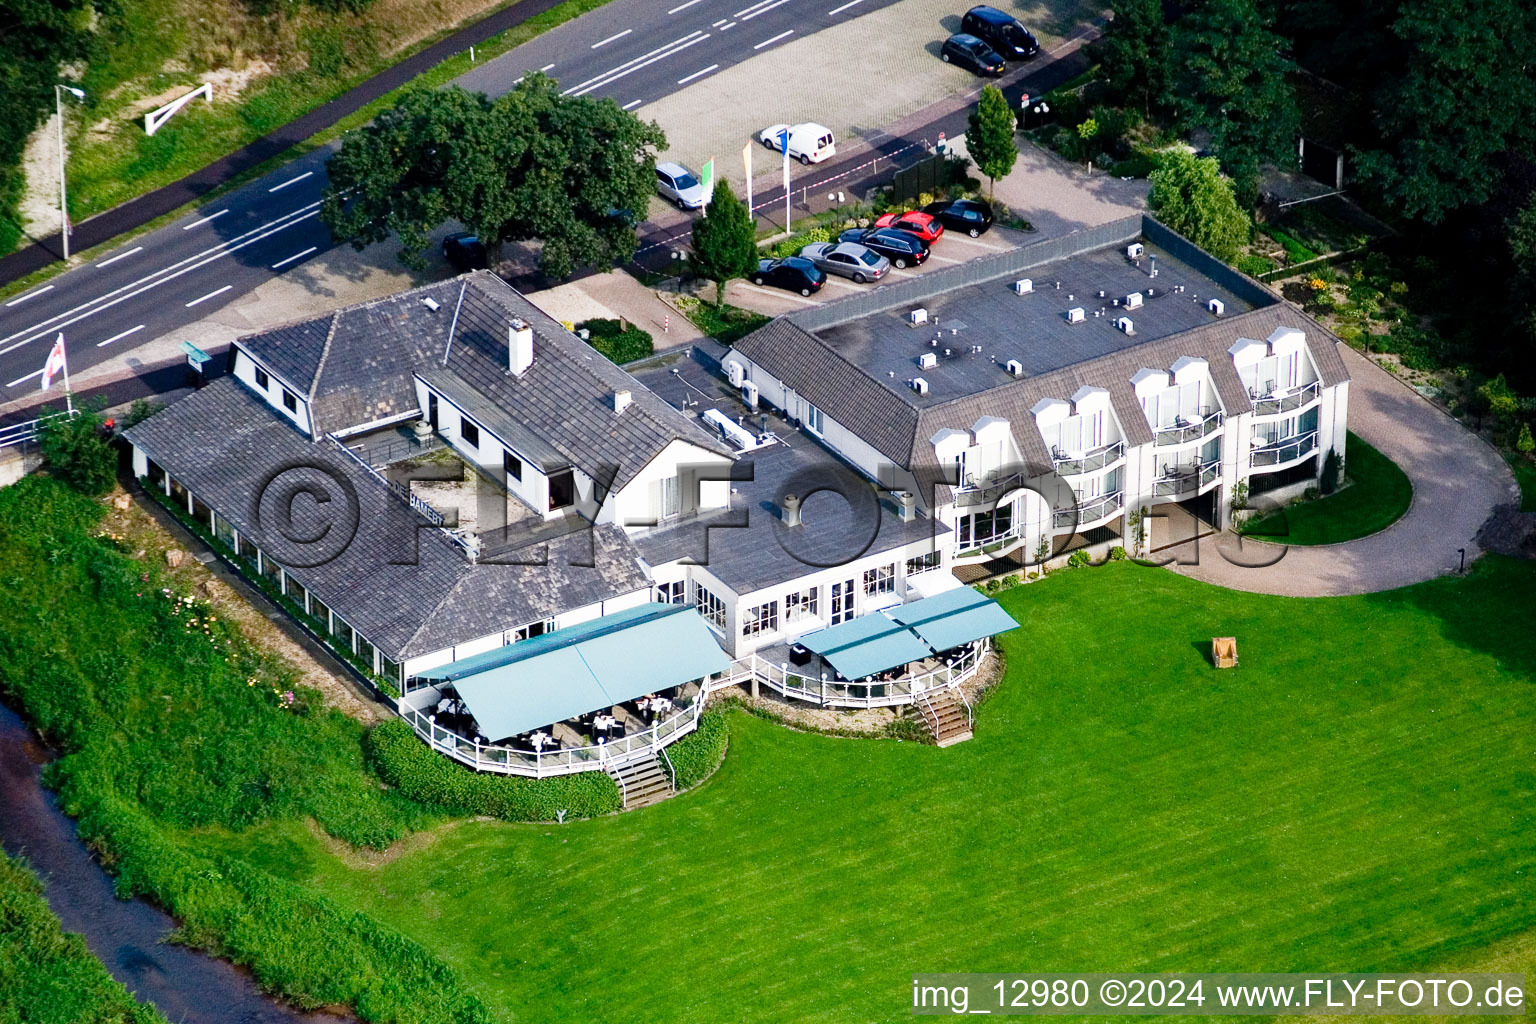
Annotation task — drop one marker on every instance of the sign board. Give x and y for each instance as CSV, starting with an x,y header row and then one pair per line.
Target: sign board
x,y
196,357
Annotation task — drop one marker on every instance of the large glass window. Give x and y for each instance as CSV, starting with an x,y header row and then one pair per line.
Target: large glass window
x,y
562,490
922,563
842,602
880,580
709,606
365,651
762,619
342,632
672,593
470,433
801,605
981,528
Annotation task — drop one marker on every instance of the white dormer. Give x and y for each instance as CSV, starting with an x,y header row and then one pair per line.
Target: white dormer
x,y
991,430
1050,411
1090,399
1189,368
1149,383
1286,340
950,443
1247,351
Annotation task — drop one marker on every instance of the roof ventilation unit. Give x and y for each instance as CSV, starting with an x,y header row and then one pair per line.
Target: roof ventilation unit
x,y
1124,324
927,361
736,372
622,400
1216,306
1134,300
917,316
1076,315
1023,286
430,303
1134,251
919,385
1015,368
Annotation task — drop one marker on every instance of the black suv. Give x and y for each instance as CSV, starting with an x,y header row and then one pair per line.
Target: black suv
x,y
972,216
970,52
902,248
794,273
1001,31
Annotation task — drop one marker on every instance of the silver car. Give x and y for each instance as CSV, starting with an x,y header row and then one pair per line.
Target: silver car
x,y
849,259
680,185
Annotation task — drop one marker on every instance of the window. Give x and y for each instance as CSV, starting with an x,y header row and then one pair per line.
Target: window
x,y
842,602
262,380
880,580
709,606
672,593
529,631
986,527
432,411
562,490
762,619
922,563
289,401
812,419
470,433
665,497
512,466
802,605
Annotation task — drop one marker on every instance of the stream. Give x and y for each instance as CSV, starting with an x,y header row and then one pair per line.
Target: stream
x,y
186,986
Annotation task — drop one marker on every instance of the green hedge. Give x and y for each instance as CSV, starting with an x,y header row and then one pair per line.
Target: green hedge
x,y
697,755
422,774
48,974
619,342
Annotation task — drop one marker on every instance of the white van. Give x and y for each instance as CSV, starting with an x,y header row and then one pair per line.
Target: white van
x,y
809,142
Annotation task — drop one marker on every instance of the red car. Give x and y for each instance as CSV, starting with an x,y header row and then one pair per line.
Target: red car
x,y
924,225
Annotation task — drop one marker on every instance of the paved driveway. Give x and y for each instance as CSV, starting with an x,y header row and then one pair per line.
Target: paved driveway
x,y
1457,480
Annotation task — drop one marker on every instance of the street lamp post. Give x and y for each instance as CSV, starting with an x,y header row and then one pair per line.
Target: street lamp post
x,y
58,107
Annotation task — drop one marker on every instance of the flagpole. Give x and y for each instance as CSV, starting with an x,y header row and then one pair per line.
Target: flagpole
x,y
746,159
69,401
784,142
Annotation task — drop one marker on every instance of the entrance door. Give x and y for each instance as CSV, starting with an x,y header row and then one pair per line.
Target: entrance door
x,y
842,602
432,411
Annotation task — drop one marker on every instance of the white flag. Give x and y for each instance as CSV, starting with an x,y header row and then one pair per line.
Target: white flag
x,y
56,363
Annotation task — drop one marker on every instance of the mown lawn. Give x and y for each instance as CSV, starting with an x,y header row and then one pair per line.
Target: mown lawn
x,y
1357,796
1377,497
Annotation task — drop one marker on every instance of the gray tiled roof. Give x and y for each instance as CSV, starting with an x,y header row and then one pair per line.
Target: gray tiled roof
x,y
223,443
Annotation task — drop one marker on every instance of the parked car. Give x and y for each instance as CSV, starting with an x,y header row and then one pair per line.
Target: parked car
x,y
850,259
972,216
902,248
809,142
465,251
793,273
680,185
967,51
915,222
1001,31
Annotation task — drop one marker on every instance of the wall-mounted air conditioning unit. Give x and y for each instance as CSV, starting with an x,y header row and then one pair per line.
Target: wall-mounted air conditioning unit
x,y
1134,300
749,394
1015,368
1134,251
1216,306
1076,315
917,316
1124,324
735,371
1023,286
927,361
919,385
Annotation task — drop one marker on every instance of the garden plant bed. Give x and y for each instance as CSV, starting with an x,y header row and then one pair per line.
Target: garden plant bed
x,y
1377,495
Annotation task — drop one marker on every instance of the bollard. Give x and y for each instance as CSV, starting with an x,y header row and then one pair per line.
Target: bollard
x,y
666,323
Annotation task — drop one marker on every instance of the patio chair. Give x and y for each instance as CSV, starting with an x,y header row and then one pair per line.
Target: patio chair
x,y
1224,651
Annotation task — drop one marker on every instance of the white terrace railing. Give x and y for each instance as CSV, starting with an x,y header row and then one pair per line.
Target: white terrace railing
x,y
789,681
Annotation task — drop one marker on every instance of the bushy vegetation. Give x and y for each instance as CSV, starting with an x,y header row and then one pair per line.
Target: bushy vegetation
x,y
48,975
77,450
418,772
1192,198
622,342
726,324
697,755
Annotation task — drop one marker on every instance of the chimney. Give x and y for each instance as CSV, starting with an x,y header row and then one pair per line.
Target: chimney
x,y
519,347
790,509
621,400
908,503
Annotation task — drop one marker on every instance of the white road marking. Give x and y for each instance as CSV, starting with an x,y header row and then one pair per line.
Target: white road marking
x,y
943,259
764,10
770,42
754,7
780,293
30,295
295,256
632,104
115,337
699,74
205,220
205,298
48,327
635,64
121,256
546,67
290,181
605,42
681,7
729,24
840,10
960,236
22,380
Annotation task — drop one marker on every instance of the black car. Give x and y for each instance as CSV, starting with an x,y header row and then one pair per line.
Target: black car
x,y
969,215
1001,31
793,273
902,248
465,251
969,52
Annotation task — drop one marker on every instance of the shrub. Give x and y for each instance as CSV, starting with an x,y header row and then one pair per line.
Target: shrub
x,y
620,341
1312,493
695,757
1329,482
1077,559
1011,580
1117,553
1254,266
77,449
423,775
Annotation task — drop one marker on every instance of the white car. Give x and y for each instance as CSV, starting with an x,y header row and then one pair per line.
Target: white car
x,y
809,142
678,184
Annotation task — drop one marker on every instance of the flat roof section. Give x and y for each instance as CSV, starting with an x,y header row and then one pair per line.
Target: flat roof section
x,y
1032,328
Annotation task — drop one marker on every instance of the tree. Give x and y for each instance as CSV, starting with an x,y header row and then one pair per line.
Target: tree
x,y
1133,54
724,241
1525,444
1085,135
1328,482
77,450
1230,81
1192,198
989,136
532,165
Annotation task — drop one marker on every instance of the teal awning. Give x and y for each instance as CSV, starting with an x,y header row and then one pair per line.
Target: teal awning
x,y
582,668
953,618
868,644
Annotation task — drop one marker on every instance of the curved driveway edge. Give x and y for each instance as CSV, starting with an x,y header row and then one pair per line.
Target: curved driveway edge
x,y
1457,480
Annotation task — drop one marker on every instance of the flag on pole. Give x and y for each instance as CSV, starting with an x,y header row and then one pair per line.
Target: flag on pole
x,y
707,179
784,145
746,162
57,363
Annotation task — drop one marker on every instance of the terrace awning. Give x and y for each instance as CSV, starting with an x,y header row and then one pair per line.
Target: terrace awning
x,y
582,668
953,618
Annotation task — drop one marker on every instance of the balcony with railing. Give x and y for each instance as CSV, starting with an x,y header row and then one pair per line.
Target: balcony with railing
x,y
1186,481
1087,514
1185,430
983,489
1283,451
1092,461
1276,403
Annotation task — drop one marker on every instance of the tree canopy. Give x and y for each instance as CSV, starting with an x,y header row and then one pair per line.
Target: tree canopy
x,y
532,165
1192,198
1134,54
724,241
989,137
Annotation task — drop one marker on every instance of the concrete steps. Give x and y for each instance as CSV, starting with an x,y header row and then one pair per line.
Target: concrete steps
x,y
642,782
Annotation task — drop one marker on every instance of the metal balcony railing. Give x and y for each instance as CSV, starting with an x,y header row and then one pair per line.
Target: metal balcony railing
x,y
1285,450
1185,481
1274,405
1185,430
1090,511
1089,462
